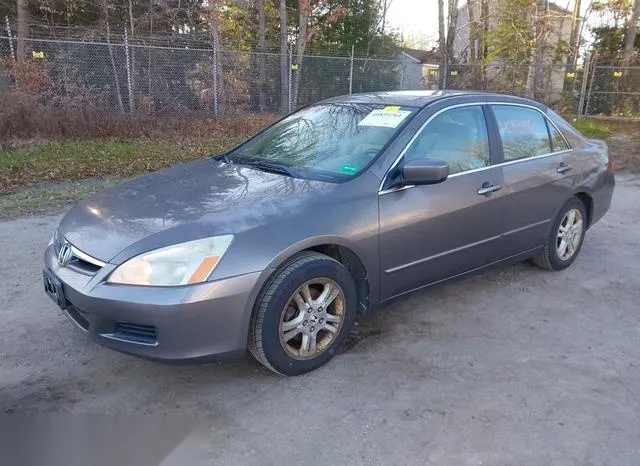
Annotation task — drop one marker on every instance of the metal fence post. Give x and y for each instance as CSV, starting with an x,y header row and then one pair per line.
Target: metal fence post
x,y
402,70
13,52
128,62
290,76
593,78
215,76
351,71
583,85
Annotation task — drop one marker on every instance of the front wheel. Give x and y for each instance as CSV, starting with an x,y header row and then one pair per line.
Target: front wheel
x,y
565,238
303,315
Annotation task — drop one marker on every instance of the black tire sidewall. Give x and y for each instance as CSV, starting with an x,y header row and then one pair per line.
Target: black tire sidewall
x,y
273,351
554,259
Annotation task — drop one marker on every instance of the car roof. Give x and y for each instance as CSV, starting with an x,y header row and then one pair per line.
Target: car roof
x,y
422,98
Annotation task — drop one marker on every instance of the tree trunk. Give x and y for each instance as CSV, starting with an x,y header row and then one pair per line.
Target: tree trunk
x,y
261,58
574,41
484,14
452,29
300,47
23,31
116,80
441,46
537,51
284,59
630,36
473,40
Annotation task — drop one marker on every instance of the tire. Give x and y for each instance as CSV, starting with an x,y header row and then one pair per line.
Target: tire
x,y
279,313
550,258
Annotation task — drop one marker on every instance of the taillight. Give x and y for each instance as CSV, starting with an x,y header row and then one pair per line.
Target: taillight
x,y
610,162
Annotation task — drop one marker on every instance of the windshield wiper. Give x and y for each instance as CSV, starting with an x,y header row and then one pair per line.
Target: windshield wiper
x,y
268,167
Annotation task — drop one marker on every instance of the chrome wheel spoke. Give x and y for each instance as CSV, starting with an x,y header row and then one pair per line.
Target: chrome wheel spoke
x,y
330,328
332,318
291,334
577,227
305,344
293,323
306,294
571,217
300,302
563,247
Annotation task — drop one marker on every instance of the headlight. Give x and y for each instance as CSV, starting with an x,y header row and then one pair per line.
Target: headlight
x,y
179,264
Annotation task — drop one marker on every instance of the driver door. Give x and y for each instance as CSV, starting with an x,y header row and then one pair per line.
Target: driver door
x,y
433,232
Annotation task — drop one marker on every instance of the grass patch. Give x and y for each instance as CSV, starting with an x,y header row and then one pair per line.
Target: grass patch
x,y
66,161
45,198
23,165
593,129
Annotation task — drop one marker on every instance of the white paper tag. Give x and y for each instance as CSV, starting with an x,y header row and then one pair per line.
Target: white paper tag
x,y
385,118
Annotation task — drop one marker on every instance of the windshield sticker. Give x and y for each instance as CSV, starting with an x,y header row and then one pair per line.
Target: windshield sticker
x,y
348,169
391,108
385,118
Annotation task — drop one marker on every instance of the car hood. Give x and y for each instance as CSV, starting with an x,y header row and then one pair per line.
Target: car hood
x,y
185,202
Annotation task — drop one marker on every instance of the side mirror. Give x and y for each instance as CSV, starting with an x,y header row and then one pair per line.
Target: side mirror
x,y
424,171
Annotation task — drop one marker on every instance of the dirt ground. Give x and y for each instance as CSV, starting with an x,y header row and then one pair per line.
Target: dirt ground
x,y
515,366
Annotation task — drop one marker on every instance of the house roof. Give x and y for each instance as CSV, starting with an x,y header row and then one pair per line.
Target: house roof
x,y
422,56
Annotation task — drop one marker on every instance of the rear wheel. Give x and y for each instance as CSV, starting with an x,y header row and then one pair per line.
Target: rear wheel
x,y
303,314
565,238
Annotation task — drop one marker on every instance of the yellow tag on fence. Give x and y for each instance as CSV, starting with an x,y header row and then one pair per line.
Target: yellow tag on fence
x,y
571,75
37,54
294,66
617,74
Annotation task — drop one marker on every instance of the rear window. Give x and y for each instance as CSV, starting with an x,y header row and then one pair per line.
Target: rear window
x,y
523,131
569,132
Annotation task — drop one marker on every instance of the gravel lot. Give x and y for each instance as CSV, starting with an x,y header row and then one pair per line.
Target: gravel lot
x,y
515,366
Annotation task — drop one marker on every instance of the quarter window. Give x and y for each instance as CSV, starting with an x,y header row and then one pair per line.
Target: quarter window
x,y
457,136
557,141
523,131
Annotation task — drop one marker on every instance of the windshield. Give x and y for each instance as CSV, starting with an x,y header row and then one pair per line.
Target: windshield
x,y
327,141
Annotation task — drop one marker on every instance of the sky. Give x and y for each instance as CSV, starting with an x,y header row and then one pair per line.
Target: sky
x,y
417,20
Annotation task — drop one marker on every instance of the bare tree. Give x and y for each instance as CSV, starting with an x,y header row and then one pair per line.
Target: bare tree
x,y
630,35
23,30
105,19
304,11
261,57
284,62
441,45
536,56
451,29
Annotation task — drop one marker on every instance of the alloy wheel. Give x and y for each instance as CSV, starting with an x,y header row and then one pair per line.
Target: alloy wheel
x,y
312,318
569,234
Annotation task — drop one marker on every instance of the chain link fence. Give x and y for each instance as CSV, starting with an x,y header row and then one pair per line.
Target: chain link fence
x,y
137,80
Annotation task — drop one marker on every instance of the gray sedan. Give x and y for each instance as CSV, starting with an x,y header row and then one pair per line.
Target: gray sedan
x,y
277,244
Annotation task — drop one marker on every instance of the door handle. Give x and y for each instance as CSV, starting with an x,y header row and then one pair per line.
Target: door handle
x,y
488,188
563,167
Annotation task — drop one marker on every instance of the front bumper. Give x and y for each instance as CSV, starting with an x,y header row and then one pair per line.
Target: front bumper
x,y
174,324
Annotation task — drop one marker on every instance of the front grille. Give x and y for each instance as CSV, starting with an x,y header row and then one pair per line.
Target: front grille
x,y
77,260
134,333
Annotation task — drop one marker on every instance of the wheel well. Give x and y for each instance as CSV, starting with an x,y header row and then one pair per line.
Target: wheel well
x,y
354,265
587,200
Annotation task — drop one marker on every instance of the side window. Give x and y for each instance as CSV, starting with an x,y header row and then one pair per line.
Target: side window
x,y
557,141
457,136
523,130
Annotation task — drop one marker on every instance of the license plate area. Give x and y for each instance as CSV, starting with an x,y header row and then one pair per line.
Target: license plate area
x,y
54,288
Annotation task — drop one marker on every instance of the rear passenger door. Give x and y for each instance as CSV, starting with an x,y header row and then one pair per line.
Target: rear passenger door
x,y
537,174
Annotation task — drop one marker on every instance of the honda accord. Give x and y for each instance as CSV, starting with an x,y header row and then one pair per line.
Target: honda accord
x,y
277,244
